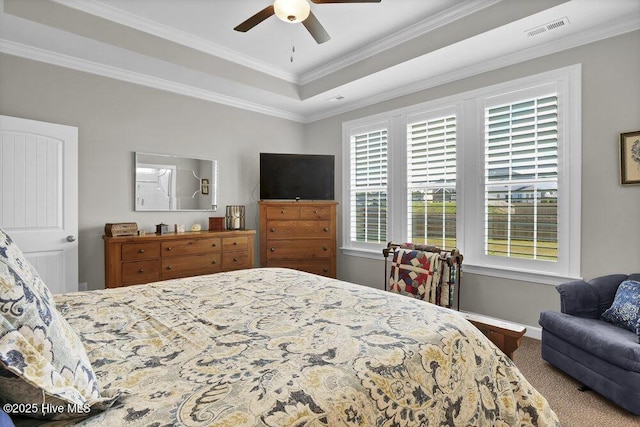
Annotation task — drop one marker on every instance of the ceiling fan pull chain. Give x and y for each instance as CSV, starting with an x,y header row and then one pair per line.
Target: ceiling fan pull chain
x,y
293,48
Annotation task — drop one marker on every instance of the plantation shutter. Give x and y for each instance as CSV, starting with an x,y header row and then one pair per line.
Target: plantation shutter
x,y
369,187
521,179
431,181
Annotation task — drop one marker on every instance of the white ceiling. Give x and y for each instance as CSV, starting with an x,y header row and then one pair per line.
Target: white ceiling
x,y
377,51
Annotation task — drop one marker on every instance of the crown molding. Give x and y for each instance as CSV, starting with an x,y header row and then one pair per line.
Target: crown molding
x,y
54,58
397,38
174,35
631,23
201,44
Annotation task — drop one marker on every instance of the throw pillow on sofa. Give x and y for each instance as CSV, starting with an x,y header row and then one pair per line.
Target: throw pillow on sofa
x,y
42,359
625,310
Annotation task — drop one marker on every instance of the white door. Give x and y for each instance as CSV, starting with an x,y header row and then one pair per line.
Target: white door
x,y
39,196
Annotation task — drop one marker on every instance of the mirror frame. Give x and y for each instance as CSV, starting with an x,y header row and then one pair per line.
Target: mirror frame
x,y
211,186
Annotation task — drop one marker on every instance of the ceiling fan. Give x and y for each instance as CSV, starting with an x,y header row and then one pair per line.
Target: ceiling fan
x,y
295,11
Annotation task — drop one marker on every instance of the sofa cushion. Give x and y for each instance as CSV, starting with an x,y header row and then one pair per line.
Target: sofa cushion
x,y
625,310
42,359
602,339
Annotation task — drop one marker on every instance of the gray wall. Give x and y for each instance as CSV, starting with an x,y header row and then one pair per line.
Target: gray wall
x,y
115,119
610,213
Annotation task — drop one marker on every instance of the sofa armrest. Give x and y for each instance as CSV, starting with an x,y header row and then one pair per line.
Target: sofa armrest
x,y
578,298
590,299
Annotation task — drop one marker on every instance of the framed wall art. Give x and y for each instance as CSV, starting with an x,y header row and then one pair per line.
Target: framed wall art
x,y
630,158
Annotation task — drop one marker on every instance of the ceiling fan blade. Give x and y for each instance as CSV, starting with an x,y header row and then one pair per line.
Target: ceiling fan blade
x,y
255,19
345,1
316,29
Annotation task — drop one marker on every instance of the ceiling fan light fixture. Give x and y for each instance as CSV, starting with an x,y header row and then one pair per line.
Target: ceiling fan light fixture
x,y
292,11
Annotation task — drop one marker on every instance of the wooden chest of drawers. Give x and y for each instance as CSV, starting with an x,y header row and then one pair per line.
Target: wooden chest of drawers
x,y
132,260
300,235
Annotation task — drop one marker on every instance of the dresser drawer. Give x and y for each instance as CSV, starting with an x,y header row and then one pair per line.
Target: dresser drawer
x,y
237,243
283,212
140,271
140,251
190,246
298,229
191,265
236,260
322,267
299,249
317,212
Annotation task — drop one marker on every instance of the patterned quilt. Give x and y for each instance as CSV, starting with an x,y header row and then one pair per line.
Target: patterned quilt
x,y
278,347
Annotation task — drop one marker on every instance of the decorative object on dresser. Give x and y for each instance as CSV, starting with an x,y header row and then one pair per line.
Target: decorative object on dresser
x,y
141,259
121,229
299,235
235,217
216,223
162,228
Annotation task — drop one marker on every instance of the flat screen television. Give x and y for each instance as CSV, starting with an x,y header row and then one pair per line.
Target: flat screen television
x,y
296,176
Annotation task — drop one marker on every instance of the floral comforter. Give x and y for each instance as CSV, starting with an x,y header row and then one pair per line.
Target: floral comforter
x,y
278,347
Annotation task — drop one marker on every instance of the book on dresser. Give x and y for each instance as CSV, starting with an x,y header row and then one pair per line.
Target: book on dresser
x,y
133,260
299,235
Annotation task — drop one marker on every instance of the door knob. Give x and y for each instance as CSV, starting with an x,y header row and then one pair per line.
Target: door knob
x,y
71,238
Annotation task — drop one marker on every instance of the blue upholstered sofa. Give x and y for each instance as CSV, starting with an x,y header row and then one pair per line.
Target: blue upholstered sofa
x,y
598,353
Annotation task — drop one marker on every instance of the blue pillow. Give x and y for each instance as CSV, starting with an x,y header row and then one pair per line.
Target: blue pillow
x,y
625,310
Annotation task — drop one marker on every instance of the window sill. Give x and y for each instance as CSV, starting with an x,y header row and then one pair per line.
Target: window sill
x,y
522,275
512,274
363,253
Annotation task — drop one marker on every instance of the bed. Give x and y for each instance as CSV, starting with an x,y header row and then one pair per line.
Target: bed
x,y
279,347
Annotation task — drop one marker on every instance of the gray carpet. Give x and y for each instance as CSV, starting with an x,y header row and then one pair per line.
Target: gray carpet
x,y
574,408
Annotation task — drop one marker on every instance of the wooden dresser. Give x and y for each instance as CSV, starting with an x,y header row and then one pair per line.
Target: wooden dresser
x,y
299,235
131,260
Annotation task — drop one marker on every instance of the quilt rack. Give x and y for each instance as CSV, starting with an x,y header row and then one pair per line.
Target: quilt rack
x,y
424,271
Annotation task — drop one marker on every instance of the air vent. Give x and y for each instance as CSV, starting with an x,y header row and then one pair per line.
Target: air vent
x,y
558,23
336,98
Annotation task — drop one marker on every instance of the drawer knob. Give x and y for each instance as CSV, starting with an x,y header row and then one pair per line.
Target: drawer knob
x,y
169,248
273,249
324,248
141,270
169,267
272,230
141,251
235,259
214,262
326,270
282,211
214,245
326,229
235,243
315,211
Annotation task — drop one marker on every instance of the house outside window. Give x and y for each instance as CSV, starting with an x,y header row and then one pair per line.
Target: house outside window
x,y
431,180
494,172
368,186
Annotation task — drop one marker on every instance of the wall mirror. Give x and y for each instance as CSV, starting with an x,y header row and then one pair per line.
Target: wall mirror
x,y
174,183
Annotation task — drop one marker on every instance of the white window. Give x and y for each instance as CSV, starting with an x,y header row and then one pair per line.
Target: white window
x,y
368,187
431,180
521,178
494,172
